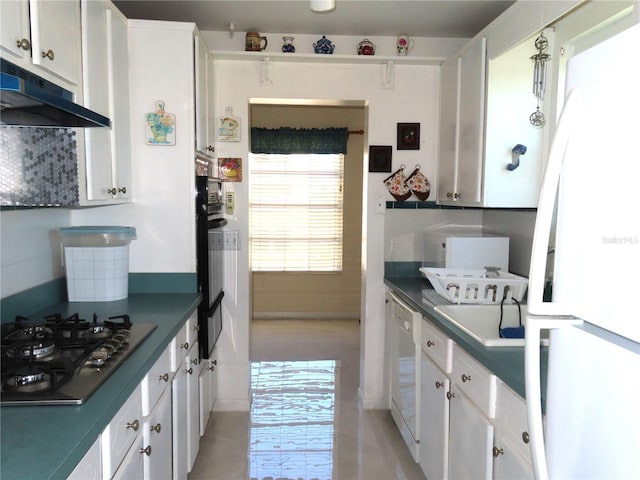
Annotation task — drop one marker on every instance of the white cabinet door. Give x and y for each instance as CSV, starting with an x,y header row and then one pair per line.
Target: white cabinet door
x,y
132,467
179,422
55,37
157,435
471,129
508,465
90,467
106,90
448,148
208,389
201,92
15,34
434,420
470,440
193,405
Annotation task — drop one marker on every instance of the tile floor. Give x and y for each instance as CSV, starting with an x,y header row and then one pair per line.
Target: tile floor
x,y
305,423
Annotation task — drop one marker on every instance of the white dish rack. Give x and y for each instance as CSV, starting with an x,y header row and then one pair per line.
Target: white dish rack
x,y
476,286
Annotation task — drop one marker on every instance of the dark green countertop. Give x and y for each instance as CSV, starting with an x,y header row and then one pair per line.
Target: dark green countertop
x,y
47,442
507,363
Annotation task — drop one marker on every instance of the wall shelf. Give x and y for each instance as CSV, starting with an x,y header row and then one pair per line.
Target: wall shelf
x,y
323,58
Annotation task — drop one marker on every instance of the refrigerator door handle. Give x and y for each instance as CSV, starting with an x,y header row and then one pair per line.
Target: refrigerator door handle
x,y
568,120
533,388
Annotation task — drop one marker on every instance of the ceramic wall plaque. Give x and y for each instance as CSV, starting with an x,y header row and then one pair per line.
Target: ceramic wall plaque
x,y
228,127
161,126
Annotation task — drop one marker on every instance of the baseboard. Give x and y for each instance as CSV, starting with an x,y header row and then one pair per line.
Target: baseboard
x,y
368,403
306,315
232,406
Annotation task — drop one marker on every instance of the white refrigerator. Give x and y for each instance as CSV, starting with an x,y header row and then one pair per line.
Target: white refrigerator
x,y
591,423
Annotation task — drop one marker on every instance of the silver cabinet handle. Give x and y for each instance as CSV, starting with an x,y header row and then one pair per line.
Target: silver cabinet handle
x,y
49,54
164,378
196,328
123,190
450,395
497,452
156,428
194,361
134,425
112,191
439,384
189,371
24,44
146,451
525,437
430,343
185,345
466,378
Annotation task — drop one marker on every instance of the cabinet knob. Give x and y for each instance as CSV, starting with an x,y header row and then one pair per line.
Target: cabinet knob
x,y
456,196
210,149
164,378
466,378
439,384
112,191
194,361
450,395
497,452
24,44
189,371
215,362
123,190
212,368
146,451
134,425
430,343
185,345
156,428
196,328
525,437
449,195
48,54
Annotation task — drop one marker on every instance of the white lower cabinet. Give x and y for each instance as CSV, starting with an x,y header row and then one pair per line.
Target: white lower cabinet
x,y
179,423
472,409
90,467
120,434
193,405
157,457
132,467
512,456
208,385
434,415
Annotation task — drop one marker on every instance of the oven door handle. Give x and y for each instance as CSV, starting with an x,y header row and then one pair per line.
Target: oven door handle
x,y
215,305
216,223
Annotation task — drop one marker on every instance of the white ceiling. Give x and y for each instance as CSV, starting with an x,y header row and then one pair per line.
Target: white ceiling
x,y
418,18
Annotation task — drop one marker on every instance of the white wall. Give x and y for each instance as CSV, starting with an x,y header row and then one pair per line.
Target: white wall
x,y
414,99
29,253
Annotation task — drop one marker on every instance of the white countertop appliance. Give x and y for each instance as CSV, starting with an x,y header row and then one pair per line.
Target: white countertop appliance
x,y
592,414
465,246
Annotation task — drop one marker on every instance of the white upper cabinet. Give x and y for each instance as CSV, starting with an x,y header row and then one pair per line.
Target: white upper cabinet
x,y
462,126
15,32
106,90
43,33
202,66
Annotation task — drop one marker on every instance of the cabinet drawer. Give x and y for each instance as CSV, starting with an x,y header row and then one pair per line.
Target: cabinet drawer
x,y
437,346
155,382
192,329
121,433
179,347
475,381
512,419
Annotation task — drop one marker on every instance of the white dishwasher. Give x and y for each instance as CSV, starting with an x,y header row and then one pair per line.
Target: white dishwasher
x,y
405,335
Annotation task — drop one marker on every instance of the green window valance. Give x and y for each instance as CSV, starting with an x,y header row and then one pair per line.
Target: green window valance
x,y
288,140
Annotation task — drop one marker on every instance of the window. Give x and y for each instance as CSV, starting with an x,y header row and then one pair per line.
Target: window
x,y
295,205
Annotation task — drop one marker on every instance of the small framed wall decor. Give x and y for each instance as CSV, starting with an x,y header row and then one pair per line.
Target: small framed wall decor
x,y
230,169
408,136
380,158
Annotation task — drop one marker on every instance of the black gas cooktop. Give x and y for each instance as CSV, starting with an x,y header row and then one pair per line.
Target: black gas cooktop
x,y
63,361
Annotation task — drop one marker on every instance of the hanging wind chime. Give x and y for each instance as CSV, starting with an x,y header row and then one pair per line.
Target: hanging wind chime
x,y
539,78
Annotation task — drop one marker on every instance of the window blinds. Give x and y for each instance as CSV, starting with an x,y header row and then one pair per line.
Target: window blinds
x,y
296,212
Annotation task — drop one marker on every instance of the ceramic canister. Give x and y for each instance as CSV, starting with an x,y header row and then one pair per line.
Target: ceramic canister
x,y
254,42
404,44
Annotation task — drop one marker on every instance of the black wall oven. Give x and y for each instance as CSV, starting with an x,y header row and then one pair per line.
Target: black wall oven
x,y
210,260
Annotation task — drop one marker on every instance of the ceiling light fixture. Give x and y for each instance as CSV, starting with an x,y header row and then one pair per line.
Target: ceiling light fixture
x,y
321,6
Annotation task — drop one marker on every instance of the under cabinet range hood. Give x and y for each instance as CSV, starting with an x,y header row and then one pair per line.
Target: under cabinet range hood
x,y
31,101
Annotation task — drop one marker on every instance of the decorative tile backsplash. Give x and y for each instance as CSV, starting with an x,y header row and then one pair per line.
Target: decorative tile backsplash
x,y
38,167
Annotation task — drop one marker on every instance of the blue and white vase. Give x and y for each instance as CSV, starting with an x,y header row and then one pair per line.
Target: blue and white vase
x,y
287,46
324,46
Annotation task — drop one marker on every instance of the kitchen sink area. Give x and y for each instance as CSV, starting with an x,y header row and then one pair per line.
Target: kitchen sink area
x,y
481,322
